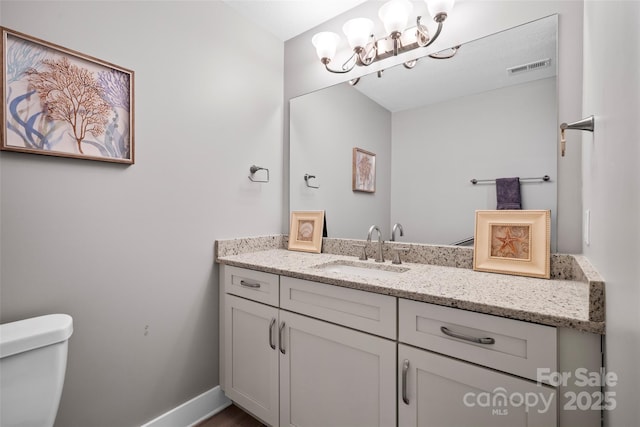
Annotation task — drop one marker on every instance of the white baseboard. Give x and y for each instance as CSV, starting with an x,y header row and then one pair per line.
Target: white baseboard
x,y
194,411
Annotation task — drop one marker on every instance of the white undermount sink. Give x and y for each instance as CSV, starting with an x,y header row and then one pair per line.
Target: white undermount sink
x,y
362,269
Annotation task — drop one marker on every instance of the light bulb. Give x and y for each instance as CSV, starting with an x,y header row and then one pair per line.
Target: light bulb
x,y
325,44
440,8
358,31
395,14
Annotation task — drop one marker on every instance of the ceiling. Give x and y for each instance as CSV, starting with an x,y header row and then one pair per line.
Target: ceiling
x,y
479,66
489,57
288,18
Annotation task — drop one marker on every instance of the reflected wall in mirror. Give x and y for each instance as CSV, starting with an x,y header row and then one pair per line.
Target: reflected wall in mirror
x,y
433,129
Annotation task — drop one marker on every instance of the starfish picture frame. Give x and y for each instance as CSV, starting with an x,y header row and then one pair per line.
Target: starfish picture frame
x,y
513,242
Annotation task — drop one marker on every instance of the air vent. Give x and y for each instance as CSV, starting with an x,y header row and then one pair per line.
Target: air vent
x,y
543,63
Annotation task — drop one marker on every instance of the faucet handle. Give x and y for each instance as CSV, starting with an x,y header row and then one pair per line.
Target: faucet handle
x,y
363,252
397,259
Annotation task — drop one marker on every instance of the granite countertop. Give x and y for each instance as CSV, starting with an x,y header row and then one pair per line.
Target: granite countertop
x,y
576,303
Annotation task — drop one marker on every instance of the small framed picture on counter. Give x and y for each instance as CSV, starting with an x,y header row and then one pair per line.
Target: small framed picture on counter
x,y
513,242
305,231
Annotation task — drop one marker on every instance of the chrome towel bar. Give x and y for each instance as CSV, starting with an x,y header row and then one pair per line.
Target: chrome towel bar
x,y
540,178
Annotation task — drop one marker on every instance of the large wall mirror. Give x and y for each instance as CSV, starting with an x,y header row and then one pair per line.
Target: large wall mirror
x,y
489,112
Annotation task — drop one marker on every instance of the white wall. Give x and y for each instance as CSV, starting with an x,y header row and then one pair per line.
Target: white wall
x,y
478,136
611,177
122,248
326,152
471,20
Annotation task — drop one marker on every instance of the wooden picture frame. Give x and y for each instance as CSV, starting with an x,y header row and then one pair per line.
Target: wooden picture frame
x,y
60,102
513,242
305,231
363,171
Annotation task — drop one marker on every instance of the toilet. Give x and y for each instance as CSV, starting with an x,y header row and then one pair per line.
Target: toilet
x,y
33,361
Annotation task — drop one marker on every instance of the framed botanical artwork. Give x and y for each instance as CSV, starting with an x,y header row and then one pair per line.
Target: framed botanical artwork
x,y
364,171
305,231
513,242
60,102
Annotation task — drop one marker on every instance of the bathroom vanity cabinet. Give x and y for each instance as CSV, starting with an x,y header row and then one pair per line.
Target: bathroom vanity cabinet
x,y
299,352
291,369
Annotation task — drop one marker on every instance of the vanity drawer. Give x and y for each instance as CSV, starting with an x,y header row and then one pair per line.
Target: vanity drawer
x,y
254,285
366,311
508,345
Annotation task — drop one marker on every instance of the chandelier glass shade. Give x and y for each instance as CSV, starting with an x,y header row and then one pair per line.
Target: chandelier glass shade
x,y
367,49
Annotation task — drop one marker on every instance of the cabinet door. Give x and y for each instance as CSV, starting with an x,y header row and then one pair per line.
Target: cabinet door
x,y
334,376
251,357
436,390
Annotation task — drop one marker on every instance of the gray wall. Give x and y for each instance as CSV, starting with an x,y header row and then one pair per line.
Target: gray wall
x,y
611,188
470,20
437,149
122,248
326,152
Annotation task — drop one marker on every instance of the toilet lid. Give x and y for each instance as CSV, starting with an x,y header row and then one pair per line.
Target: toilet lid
x,y
24,335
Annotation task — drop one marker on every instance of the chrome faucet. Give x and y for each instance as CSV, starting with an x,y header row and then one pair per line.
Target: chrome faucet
x,y
396,226
379,256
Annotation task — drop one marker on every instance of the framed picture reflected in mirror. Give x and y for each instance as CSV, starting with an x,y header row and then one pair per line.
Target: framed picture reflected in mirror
x,y
364,171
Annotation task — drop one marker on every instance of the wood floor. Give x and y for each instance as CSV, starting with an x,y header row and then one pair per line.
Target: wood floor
x,y
231,417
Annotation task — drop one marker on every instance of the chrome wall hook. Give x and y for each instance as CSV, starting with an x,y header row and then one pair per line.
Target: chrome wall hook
x,y
307,177
587,124
253,169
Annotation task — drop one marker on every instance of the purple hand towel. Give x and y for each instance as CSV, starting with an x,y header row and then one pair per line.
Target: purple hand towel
x,y
508,193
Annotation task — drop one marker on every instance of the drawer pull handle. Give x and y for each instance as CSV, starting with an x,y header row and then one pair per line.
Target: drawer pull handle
x,y
249,284
470,338
405,371
281,338
271,343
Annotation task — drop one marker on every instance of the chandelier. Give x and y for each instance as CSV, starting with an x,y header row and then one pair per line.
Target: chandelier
x,y
367,49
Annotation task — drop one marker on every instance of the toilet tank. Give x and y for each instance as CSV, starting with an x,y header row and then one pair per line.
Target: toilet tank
x,y
33,361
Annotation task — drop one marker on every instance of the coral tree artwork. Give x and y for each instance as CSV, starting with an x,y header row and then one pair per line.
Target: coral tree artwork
x,y
62,103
